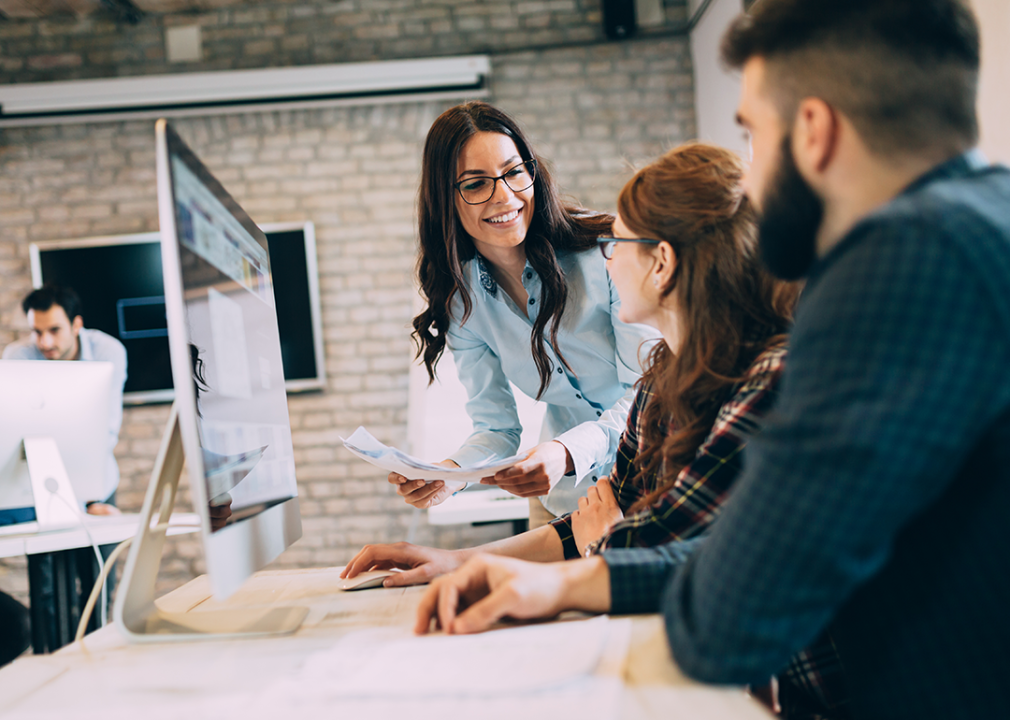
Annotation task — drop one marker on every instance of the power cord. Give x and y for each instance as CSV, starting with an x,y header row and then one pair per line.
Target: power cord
x,y
53,488
99,587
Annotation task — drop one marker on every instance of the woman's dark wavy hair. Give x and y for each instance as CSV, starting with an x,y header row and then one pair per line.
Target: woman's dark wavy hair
x,y
729,307
445,245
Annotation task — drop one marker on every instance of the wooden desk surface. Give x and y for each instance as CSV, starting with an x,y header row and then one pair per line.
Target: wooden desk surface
x,y
110,679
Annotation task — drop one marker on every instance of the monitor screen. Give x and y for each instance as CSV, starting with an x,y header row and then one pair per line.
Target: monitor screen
x,y
119,280
227,367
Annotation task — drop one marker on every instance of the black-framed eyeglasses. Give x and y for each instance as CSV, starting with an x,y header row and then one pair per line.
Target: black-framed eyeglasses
x,y
607,243
480,189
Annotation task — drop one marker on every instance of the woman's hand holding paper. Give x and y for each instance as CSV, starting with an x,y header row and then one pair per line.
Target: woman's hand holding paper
x,y
537,473
422,494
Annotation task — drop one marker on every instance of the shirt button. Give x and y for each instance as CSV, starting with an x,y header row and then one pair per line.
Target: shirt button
x,y
533,301
578,396
599,414
529,276
560,370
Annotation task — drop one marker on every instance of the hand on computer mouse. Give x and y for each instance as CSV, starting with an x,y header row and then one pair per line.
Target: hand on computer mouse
x,y
419,564
103,509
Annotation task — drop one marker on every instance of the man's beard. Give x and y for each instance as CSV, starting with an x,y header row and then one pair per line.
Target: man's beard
x,y
791,215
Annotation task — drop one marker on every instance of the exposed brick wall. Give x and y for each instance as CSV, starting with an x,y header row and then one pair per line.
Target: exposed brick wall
x,y
299,32
593,111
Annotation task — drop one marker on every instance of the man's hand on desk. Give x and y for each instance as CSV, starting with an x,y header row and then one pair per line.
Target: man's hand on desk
x,y
97,508
422,494
489,587
420,564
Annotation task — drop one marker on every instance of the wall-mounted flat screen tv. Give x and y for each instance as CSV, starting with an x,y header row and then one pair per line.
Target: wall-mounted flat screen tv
x,y
120,283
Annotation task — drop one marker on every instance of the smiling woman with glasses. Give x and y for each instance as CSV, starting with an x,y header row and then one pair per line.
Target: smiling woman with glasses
x,y
516,292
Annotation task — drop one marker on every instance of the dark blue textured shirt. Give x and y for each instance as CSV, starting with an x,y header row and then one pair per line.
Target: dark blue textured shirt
x,y
875,504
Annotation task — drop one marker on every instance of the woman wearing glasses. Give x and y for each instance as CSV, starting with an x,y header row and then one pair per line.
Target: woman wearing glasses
x,y
683,258
517,292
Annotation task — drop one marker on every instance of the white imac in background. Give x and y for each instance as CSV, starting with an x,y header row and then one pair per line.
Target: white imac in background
x,y
229,419
54,439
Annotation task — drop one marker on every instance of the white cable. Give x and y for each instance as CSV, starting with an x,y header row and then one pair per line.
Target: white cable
x,y
98,553
89,607
99,588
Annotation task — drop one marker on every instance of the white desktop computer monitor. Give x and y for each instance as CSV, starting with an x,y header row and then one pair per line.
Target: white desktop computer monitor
x,y
68,402
230,415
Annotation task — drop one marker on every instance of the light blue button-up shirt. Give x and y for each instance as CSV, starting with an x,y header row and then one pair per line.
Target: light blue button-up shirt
x,y
95,345
587,408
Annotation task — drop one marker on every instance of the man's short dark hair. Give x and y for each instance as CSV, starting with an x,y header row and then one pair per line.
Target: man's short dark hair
x,y
50,294
905,72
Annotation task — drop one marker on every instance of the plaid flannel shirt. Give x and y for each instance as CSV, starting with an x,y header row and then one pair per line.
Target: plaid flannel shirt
x,y
692,504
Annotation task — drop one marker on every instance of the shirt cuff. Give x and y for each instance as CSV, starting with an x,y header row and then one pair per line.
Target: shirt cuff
x,y
585,443
563,526
638,577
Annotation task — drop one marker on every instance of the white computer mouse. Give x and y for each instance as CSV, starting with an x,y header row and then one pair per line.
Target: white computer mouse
x,y
365,580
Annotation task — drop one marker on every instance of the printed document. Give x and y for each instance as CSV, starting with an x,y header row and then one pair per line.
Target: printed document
x,y
547,670
364,445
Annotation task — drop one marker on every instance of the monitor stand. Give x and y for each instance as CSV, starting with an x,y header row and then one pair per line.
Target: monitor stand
x,y
136,613
55,503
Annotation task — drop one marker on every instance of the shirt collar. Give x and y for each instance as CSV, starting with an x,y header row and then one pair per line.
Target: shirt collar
x,y
85,346
487,282
958,166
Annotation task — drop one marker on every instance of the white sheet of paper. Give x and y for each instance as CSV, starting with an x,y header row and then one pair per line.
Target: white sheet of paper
x,y
364,445
549,671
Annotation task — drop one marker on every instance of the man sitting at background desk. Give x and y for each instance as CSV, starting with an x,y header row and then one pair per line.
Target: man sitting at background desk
x,y
58,333
871,517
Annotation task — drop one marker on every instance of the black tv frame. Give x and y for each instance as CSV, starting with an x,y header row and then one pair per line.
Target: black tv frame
x,y
306,383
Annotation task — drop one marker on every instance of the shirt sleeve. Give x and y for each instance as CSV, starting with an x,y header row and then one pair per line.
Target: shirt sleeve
x,y
594,444
20,351
638,576
897,366
113,351
693,503
621,477
491,405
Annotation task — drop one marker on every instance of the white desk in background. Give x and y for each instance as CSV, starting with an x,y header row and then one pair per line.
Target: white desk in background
x,y
482,506
66,555
111,680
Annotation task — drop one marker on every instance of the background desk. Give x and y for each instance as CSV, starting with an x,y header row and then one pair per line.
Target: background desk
x,y
101,681
68,556
483,505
